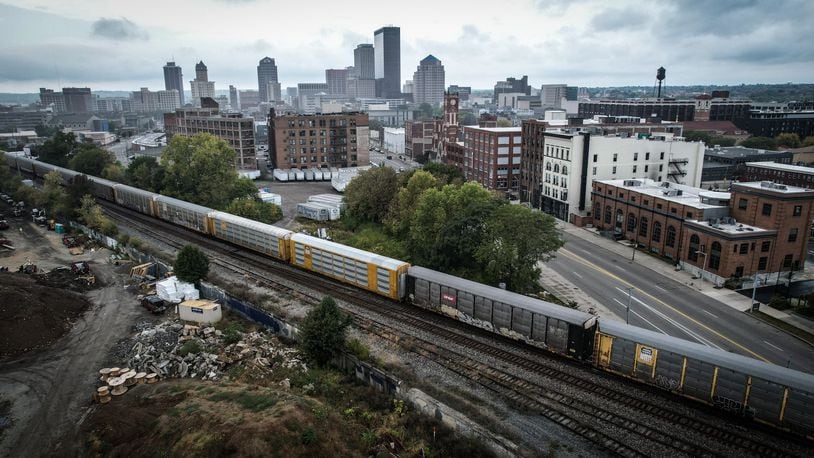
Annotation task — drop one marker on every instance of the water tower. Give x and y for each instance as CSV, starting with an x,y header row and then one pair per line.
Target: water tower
x,y
661,73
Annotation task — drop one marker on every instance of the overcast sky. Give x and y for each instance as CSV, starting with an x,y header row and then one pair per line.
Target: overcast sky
x,y
122,45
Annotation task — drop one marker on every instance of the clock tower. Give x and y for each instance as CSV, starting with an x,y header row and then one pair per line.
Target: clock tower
x,y
451,101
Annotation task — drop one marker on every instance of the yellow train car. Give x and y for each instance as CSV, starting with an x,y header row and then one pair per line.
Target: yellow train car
x,y
370,271
260,237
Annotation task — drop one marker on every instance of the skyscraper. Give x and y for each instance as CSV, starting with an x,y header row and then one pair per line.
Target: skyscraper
x,y
78,99
267,82
174,79
201,86
337,80
428,82
363,62
387,61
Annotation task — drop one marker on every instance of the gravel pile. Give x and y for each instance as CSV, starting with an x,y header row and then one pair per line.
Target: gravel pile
x,y
172,349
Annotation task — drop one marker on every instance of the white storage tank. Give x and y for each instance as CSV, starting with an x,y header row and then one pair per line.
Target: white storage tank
x,y
270,197
317,174
299,174
200,311
326,173
280,175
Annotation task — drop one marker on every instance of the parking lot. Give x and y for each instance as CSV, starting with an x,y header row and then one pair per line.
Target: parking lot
x,y
293,193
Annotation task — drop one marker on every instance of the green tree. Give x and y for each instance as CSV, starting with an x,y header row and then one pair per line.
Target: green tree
x,y
254,209
8,180
425,111
201,169
51,195
322,332
90,213
403,205
469,119
697,136
447,173
760,143
59,149
449,224
79,187
368,195
191,264
516,240
145,172
808,141
788,140
504,122
91,160
45,131
721,141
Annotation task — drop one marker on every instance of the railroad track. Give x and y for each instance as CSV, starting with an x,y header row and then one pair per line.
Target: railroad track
x,y
575,413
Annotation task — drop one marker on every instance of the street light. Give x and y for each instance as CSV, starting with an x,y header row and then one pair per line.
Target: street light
x,y
633,244
754,289
704,264
629,299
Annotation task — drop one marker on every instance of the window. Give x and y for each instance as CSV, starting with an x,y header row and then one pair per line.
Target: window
x,y
564,170
633,198
764,247
689,215
634,169
798,210
596,214
631,222
645,168
615,156
661,155
735,248
744,248
695,241
787,261
635,156
793,234
594,171
646,156
767,209
715,256
761,264
614,170
661,168
670,241
607,214
658,206
739,271
742,204
646,202
621,195
643,227
657,231
596,157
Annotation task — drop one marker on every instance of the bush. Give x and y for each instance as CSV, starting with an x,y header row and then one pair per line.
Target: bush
x,y
779,303
309,436
322,332
191,265
190,346
358,349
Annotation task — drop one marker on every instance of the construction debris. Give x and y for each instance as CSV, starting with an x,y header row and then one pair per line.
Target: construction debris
x,y
172,349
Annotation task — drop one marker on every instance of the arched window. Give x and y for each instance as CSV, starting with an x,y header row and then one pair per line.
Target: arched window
x,y
670,241
564,170
643,227
631,222
715,256
695,242
597,215
657,231
556,168
620,218
607,214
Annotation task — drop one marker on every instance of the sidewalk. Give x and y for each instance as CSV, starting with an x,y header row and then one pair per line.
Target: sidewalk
x,y
723,295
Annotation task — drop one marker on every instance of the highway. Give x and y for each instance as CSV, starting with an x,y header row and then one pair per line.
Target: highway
x,y
664,305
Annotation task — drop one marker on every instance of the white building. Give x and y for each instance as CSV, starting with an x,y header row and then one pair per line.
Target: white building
x,y
509,99
393,140
572,160
201,89
155,101
428,82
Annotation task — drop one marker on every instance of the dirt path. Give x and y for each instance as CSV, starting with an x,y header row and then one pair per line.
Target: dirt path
x,y
51,391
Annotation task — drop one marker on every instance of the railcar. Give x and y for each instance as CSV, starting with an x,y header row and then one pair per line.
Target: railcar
x,y
264,238
736,383
192,216
42,168
67,175
559,329
135,199
102,188
25,164
11,160
370,271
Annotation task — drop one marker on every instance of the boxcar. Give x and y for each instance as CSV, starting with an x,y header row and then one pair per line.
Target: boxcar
x,y
560,329
42,168
735,383
135,199
67,175
265,238
370,271
182,213
103,188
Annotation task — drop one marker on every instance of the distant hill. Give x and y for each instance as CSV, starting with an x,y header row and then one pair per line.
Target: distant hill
x,y
756,92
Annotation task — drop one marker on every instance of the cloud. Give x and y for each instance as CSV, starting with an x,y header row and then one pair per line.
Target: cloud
x,y
118,29
614,19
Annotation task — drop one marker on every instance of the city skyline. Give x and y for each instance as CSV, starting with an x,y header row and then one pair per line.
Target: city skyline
x,y
117,46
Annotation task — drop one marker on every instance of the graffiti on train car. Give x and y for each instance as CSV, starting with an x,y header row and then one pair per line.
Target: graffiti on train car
x,y
667,383
733,406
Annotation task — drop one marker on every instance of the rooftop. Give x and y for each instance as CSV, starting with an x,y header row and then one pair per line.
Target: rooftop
x,y
774,187
496,129
672,192
739,151
783,167
731,227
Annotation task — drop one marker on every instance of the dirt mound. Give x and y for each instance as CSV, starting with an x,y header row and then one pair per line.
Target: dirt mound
x,y
34,315
63,278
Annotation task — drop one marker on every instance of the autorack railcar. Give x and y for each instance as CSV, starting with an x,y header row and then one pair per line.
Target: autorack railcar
x,y
182,213
103,189
736,383
136,199
263,238
560,329
373,272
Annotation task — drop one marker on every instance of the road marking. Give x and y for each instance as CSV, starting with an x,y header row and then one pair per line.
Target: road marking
x,y
708,313
643,318
626,283
772,345
578,275
672,321
659,287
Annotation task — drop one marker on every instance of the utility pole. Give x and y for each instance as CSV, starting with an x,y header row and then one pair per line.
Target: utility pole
x,y
633,244
754,289
629,299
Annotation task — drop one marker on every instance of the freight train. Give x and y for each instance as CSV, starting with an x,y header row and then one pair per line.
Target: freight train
x,y
738,384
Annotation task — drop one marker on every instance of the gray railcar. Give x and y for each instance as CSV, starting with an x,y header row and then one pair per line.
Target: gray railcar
x,y
136,199
734,383
560,329
182,213
103,188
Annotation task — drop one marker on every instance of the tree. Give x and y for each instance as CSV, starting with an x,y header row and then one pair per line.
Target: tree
x,y
788,140
447,173
90,213
322,332
808,141
8,180
45,131
425,111
368,195
145,172
191,264
254,209
469,119
760,143
52,196
79,187
448,225
59,149
697,136
503,122
91,160
516,240
403,205
201,169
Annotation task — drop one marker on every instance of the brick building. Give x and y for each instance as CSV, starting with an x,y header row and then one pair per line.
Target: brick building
x,y
792,175
758,227
492,157
234,128
319,140
422,136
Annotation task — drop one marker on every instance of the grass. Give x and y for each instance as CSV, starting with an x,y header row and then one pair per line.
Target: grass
x,y
806,336
190,346
246,399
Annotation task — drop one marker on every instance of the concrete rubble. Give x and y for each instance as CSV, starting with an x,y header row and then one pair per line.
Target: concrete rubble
x,y
172,349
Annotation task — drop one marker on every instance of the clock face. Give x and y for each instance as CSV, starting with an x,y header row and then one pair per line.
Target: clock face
x,y
453,102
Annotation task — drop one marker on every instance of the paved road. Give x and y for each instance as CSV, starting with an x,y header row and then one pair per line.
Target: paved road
x,y
667,306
